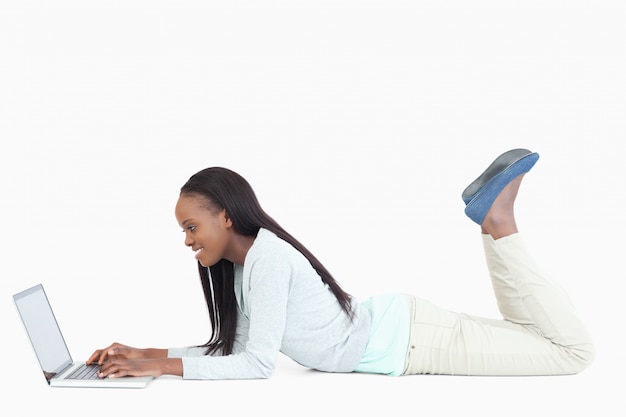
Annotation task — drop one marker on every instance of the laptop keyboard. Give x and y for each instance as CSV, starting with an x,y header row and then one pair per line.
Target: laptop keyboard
x,y
85,372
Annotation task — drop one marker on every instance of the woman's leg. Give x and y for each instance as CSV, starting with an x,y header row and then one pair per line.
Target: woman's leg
x,y
546,303
510,302
541,333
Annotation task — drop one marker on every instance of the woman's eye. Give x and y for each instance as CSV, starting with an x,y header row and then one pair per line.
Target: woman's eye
x,y
191,228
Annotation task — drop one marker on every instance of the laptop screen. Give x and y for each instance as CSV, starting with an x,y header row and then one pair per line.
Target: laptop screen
x,y
43,330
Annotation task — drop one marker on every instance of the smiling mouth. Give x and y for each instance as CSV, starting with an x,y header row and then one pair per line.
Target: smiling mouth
x,y
198,251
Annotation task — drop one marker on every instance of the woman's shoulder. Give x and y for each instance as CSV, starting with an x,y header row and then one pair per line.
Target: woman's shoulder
x,y
269,252
267,237
268,244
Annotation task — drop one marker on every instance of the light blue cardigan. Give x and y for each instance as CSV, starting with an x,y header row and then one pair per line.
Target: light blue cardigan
x,y
283,307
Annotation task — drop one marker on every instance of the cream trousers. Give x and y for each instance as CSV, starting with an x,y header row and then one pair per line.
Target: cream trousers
x,y
540,333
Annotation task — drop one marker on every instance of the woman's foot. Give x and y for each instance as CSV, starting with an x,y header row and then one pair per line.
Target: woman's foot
x,y
500,219
481,193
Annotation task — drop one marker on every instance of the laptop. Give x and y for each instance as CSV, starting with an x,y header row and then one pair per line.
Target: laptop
x,y
51,350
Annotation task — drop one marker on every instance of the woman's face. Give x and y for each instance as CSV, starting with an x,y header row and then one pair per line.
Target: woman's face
x,y
206,229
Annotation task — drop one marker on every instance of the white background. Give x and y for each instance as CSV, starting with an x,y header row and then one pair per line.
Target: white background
x,y
358,123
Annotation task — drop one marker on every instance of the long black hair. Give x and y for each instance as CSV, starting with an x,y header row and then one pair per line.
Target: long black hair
x,y
226,190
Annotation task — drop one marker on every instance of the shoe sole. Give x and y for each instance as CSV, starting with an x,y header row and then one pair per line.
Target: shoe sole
x,y
498,165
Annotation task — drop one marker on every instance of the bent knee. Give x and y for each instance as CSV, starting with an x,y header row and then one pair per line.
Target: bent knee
x,y
586,354
579,358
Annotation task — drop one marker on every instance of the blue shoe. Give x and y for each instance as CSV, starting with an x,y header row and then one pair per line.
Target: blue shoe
x,y
480,194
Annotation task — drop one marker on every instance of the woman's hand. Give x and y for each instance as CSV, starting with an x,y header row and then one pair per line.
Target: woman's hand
x,y
116,368
119,360
118,351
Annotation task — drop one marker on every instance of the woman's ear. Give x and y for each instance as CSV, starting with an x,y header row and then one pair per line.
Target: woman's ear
x,y
226,219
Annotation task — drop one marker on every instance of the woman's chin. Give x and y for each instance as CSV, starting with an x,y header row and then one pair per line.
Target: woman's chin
x,y
207,263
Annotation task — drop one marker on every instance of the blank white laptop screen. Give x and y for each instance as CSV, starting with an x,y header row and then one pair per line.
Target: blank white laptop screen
x,y
43,331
